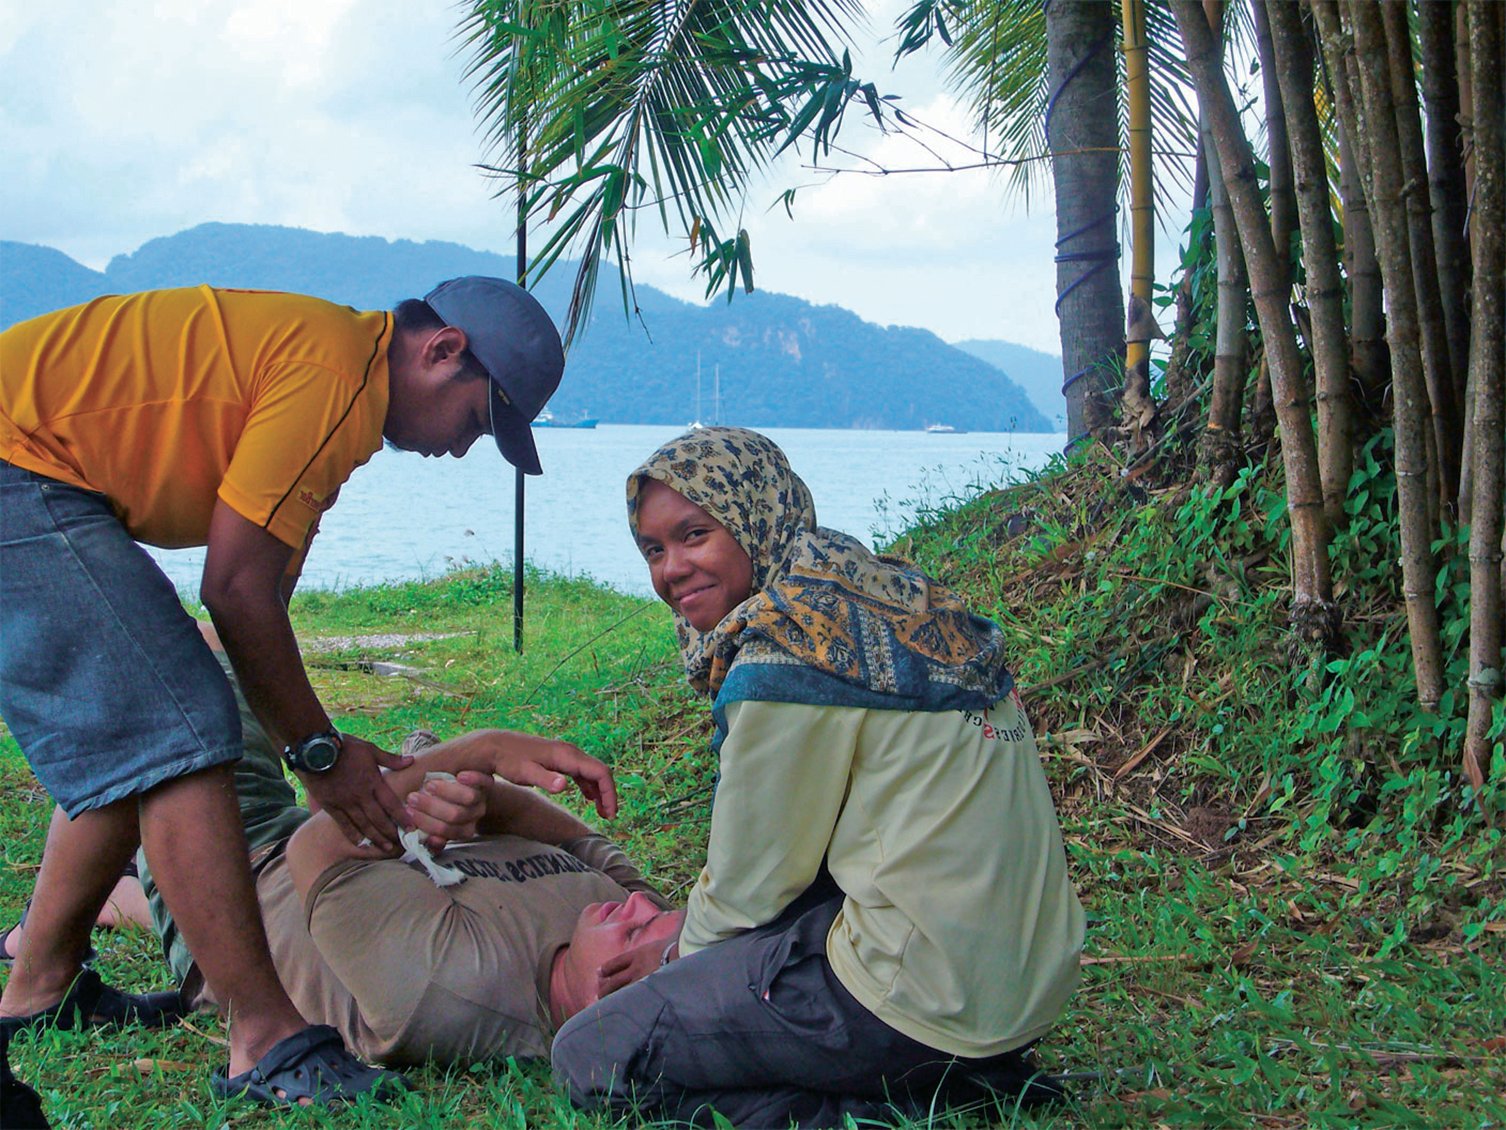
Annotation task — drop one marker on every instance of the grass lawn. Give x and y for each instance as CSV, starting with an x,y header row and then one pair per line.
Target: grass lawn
x,y
1233,976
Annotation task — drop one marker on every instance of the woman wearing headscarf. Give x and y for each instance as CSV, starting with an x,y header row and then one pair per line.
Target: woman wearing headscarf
x,y
884,917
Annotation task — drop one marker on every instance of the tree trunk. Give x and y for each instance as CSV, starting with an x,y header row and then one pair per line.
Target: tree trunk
x,y
1488,376
1446,418
1292,50
1138,408
1313,613
1410,404
1440,97
1082,133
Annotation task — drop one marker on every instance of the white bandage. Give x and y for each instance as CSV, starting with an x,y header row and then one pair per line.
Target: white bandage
x,y
416,851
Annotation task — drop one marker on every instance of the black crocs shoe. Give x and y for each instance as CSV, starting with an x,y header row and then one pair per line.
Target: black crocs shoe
x,y
90,1003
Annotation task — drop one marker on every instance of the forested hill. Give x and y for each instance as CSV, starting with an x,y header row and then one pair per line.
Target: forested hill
x,y
782,362
1038,374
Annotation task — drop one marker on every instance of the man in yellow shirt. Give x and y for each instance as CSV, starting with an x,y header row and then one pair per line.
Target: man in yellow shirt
x,y
227,419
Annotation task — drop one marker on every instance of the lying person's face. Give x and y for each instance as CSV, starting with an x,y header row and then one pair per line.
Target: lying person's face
x,y
697,567
616,943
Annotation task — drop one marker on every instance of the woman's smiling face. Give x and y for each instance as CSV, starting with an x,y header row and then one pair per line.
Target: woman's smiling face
x,y
697,567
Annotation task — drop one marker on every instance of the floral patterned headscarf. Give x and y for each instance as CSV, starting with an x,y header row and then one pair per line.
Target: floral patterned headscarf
x,y
820,599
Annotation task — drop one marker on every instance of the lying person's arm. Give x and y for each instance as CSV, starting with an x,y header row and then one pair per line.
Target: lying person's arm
x,y
512,810
455,809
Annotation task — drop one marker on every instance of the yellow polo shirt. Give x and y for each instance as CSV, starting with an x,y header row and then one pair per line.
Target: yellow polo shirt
x,y
167,400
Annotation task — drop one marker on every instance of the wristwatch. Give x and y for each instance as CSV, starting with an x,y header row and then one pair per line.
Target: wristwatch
x,y
316,753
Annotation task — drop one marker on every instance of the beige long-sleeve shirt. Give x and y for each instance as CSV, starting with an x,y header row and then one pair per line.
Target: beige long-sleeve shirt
x,y
959,927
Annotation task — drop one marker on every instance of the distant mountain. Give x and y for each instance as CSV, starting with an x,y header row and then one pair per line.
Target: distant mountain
x,y
1038,374
782,362
34,280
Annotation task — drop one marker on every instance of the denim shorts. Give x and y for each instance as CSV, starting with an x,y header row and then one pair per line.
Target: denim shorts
x,y
105,682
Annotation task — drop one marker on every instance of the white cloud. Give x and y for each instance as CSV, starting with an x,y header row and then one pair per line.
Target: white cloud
x,y
121,122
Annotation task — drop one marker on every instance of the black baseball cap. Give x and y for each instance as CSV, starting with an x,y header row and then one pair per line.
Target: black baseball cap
x,y
515,340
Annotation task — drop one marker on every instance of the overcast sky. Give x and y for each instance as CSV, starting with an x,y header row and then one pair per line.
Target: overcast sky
x,y
124,121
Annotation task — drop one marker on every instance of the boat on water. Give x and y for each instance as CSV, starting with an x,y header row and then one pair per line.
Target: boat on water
x,y
716,397
546,419
944,430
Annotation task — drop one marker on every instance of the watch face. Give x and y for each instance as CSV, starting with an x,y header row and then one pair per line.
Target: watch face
x,y
318,753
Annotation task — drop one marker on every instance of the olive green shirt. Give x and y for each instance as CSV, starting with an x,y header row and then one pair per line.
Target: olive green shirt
x,y
960,927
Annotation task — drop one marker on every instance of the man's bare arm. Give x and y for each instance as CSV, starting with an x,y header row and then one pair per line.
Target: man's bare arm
x,y
244,574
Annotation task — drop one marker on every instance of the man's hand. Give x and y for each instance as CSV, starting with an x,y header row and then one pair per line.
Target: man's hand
x,y
355,795
446,811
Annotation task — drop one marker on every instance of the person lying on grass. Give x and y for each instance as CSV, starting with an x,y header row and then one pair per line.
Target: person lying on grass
x,y
884,922
408,972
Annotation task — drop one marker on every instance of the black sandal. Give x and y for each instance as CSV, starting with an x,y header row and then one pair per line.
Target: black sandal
x,y
312,1064
90,1003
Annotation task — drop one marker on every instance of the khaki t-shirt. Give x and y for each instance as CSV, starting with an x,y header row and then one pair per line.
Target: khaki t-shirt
x,y
409,972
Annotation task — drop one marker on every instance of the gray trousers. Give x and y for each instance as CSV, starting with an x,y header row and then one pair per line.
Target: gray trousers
x,y
759,1029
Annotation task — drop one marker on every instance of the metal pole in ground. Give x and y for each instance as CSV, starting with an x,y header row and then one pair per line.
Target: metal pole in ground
x,y
517,528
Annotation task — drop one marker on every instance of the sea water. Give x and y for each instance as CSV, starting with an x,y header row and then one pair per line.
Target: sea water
x,y
405,517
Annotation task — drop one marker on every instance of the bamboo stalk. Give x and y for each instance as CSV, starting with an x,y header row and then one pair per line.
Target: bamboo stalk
x,y
1138,407
1410,402
1488,377
1220,450
1440,98
1433,335
1368,354
1313,614
1292,52
1283,202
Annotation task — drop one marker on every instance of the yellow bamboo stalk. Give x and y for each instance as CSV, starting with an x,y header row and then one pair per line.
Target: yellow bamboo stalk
x,y
1139,408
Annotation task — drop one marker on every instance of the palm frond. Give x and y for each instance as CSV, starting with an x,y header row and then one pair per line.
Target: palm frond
x,y
597,110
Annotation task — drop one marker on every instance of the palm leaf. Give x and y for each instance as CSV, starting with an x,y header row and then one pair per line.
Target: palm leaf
x,y
663,104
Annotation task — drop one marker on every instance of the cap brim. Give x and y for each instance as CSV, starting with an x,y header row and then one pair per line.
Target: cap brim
x,y
514,436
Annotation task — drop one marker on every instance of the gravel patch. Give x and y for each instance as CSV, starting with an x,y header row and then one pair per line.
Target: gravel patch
x,y
388,641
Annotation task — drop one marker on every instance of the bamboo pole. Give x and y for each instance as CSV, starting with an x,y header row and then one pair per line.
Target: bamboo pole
x,y
1292,50
1283,202
1139,409
1440,98
1433,334
1488,378
1314,616
1410,403
1220,450
1367,344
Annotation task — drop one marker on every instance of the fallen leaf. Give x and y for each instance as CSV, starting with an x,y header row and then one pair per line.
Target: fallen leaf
x,y
147,1066
1160,1094
1145,752
1241,957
